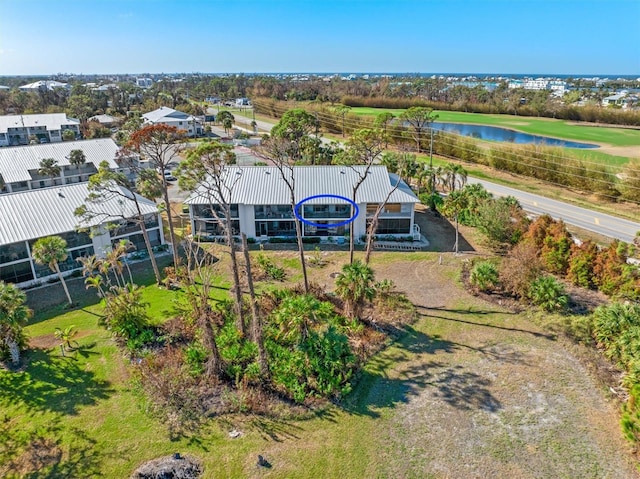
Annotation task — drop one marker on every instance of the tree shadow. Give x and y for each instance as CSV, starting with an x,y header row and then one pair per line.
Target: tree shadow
x,y
423,312
381,387
52,383
38,452
440,233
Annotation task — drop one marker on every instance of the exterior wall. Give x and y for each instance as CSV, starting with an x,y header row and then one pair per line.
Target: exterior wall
x,y
248,221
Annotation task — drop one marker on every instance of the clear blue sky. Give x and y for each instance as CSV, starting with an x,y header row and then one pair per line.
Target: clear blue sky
x,y
251,36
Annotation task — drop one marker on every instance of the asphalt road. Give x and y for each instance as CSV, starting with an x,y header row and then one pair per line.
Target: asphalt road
x,y
589,220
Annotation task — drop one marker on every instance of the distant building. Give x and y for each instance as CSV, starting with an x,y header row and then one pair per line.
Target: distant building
x,y
2,87
35,214
105,120
242,102
144,82
539,84
45,85
168,116
17,129
19,165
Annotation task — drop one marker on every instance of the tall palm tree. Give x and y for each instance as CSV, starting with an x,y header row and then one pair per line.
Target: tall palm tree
x,y
52,250
354,285
13,315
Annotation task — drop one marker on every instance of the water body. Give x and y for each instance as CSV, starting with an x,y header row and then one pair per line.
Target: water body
x,y
494,133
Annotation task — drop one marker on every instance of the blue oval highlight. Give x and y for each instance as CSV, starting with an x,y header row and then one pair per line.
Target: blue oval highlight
x,y
296,211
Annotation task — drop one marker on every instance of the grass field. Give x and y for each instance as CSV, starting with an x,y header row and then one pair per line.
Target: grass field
x,y
535,126
470,391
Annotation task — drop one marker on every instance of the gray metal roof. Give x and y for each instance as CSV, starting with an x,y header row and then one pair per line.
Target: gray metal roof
x,y
49,211
165,113
53,121
263,185
16,161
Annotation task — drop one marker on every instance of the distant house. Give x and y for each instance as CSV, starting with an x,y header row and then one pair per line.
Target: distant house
x,y
19,165
44,85
49,127
168,116
242,102
107,121
622,99
50,211
260,203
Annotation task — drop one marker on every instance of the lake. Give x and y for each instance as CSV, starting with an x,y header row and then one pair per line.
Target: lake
x,y
494,133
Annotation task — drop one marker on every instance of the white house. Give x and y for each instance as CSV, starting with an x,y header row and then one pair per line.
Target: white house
x,y
30,215
169,116
20,165
261,207
44,85
144,82
47,128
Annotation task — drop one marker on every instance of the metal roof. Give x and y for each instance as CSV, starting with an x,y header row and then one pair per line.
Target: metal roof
x,y
50,211
53,121
165,113
16,161
264,185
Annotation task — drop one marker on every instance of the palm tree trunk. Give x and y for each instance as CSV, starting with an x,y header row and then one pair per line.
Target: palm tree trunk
x,y
303,262
213,367
256,332
64,284
14,351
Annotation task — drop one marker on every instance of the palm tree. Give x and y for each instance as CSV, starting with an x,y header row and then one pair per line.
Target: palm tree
x,y
354,285
65,336
52,250
49,167
455,203
77,157
13,315
454,175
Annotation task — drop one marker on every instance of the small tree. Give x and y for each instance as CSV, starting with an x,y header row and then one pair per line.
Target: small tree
x,y
49,167
14,314
51,251
354,285
419,120
68,135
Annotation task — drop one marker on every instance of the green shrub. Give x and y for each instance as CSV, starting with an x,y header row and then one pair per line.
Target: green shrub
x,y
195,356
548,293
484,276
270,268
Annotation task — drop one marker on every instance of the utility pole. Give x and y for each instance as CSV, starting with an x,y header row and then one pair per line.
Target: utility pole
x,y
431,161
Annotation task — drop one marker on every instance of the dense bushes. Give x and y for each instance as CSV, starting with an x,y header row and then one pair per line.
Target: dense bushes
x,y
617,330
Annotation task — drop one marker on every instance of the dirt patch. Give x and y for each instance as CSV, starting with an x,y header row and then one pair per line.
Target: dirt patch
x,y
497,397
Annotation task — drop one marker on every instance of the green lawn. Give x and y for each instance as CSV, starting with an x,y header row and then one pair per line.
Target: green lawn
x,y
535,126
85,408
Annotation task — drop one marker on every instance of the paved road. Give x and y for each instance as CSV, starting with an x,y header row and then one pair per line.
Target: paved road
x,y
589,220
600,223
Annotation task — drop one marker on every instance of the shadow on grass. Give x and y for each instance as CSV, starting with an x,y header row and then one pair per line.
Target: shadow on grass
x,y
40,453
394,377
52,383
423,311
50,301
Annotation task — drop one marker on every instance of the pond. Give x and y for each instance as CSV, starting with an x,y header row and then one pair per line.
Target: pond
x,y
494,133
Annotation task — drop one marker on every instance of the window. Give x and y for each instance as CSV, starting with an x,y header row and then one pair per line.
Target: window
x,y
16,273
393,227
13,252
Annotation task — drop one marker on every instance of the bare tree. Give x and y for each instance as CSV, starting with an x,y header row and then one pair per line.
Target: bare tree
x,y
277,149
373,224
362,149
256,324
206,172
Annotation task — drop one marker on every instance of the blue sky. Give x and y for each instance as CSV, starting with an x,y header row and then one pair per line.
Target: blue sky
x,y
253,36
